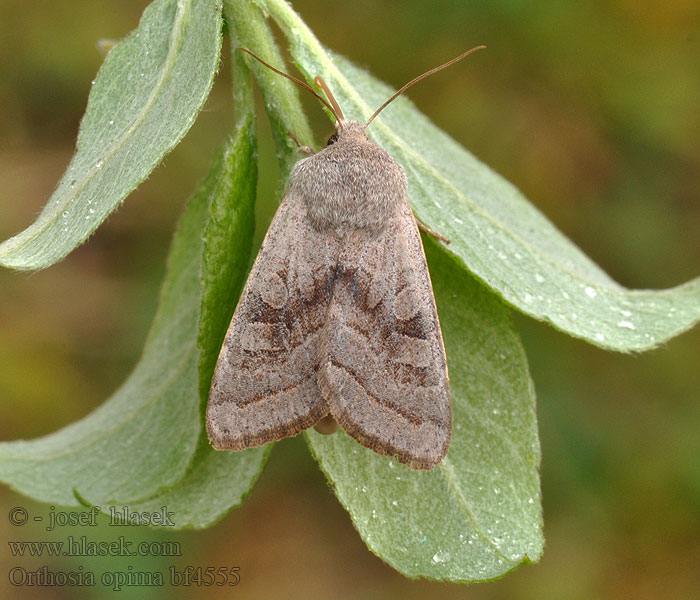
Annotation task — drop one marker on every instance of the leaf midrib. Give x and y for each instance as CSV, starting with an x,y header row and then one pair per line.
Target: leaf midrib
x,y
178,27
448,471
418,160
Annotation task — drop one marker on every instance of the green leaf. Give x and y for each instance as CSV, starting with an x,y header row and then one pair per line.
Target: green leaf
x,y
144,99
138,447
496,233
228,236
477,514
215,482
143,438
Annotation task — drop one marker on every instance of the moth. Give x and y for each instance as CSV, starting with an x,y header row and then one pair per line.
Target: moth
x,y
337,323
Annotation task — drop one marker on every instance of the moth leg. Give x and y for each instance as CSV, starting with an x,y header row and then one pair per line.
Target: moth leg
x,y
301,147
430,232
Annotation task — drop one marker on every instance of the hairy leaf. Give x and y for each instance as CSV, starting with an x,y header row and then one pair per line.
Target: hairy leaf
x,y
496,233
144,99
477,514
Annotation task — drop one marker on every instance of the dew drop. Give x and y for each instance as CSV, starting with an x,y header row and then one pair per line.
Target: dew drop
x,y
65,214
590,292
565,295
626,325
625,313
539,278
518,255
436,203
459,221
528,298
599,336
441,557
111,121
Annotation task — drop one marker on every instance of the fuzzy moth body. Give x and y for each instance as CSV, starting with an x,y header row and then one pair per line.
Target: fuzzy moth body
x,y
337,323
338,316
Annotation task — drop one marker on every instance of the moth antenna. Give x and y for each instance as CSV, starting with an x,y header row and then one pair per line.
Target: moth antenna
x,y
419,78
331,98
338,115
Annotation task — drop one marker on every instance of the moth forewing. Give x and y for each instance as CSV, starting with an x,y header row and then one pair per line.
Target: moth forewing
x,y
385,374
264,385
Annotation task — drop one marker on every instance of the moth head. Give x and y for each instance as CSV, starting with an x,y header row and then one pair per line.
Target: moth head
x,y
335,136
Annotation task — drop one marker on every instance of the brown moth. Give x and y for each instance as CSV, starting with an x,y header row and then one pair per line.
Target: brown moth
x,y
337,321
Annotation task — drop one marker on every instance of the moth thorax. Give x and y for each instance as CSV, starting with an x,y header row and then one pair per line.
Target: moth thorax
x,y
349,185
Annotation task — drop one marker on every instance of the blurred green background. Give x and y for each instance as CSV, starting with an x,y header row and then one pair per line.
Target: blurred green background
x,y
591,108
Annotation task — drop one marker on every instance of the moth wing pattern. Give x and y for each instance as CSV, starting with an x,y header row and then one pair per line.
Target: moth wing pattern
x,y
384,371
265,383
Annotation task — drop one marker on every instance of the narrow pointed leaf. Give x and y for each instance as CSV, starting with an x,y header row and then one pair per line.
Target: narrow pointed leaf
x,y
496,233
143,101
476,515
227,239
